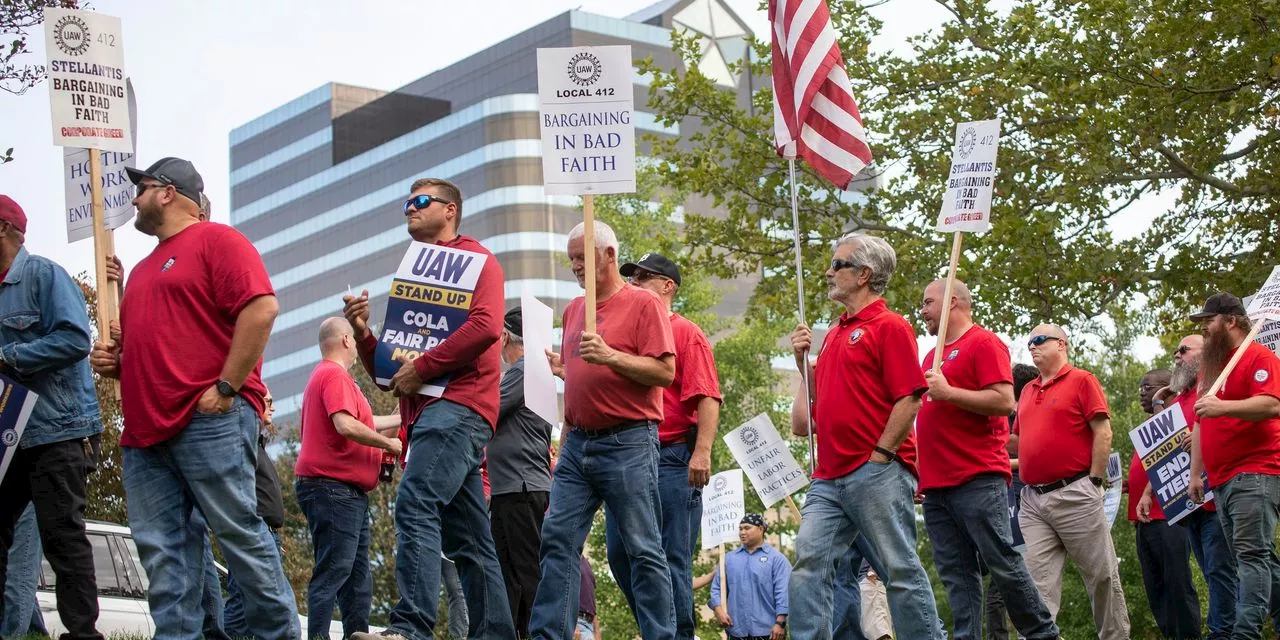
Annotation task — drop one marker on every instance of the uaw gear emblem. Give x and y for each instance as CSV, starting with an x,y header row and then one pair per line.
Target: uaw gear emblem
x,y
584,69
10,437
856,335
968,140
750,436
1261,375
720,483
72,36
953,354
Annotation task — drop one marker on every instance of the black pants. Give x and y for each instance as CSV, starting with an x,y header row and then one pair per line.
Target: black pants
x,y
1164,553
54,477
517,533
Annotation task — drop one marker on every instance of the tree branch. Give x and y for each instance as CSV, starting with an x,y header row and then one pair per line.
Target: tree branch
x,y
1210,180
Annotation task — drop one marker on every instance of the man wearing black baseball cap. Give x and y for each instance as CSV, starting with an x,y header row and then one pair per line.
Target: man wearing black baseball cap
x,y
1237,441
757,604
690,415
175,172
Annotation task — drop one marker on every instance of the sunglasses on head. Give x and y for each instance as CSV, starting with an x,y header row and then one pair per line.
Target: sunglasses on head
x,y
1037,341
837,265
422,202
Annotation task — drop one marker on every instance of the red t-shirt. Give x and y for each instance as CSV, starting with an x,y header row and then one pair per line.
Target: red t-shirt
x,y
1231,446
1055,440
868,362
1187,399
1138,482
956,445
696,378
325,453
177,318
472,353
633,321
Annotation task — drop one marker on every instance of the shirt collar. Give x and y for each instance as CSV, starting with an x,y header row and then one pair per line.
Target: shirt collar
x,y
866,313
1062,373
14,276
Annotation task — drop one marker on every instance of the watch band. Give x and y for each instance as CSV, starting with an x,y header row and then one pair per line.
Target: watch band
x,y
891,455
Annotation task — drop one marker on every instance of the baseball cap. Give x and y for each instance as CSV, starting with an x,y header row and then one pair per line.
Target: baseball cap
x,y
12,213
653,263
514,321
1221,303
175,171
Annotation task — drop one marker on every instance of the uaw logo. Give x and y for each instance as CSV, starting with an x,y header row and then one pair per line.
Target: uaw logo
x,y
856,336
9,438
953,354
720,483
968,140
71,34
750,436
584,69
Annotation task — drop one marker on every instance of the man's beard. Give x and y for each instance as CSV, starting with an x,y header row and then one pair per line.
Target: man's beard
x,y
147,220
1184,376
1213,358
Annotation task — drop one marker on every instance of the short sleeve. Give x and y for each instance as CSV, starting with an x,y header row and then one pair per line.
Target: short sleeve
x,y
899,359
992,363
237,271
698,368
653,328
1264,375
1093,402
338,395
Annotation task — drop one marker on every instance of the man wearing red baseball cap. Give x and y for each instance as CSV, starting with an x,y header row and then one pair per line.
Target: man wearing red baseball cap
x,y
44,338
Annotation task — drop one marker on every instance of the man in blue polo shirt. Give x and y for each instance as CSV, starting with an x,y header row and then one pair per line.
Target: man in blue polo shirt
x,y
758,576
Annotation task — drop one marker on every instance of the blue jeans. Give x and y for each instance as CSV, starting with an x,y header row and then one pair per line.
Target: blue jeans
x,y
233,620
876,501
969,521
338,518
206,577
846,623
1249,506
620,471
21,611
209,465
456,601
681,520
1213,554
441,483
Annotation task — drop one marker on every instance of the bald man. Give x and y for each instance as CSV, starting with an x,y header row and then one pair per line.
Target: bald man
x,y
962,431
337,466
1063,432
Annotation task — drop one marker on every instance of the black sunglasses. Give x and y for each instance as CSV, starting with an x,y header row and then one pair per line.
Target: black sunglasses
x,y
142,187
837,265
1039,340
422,202
641,276
1182,350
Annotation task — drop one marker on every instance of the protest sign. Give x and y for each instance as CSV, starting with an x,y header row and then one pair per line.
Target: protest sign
x,y
430,298
16,403
1111,498
1019,543
723,505
1264,309
966,206
114,185
88,97
539,383
586,102
767,459
1269,333
1159,444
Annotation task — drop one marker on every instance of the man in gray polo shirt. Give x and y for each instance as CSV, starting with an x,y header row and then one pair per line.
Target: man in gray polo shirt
x,y
519,459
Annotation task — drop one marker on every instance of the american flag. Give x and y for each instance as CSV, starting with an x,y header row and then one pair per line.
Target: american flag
x,y
814,114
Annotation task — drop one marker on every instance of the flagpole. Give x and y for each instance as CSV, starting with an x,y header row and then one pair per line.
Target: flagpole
x,y
804,364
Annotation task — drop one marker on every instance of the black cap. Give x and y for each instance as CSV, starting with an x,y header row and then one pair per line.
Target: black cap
x,y
175,171
1221,303
754,519
653,263
514,322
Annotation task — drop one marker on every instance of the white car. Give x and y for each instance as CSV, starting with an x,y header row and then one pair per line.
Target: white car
x,y
122,587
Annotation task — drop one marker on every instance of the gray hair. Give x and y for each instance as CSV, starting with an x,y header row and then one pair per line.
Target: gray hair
x,y
871,252
206,207
605,238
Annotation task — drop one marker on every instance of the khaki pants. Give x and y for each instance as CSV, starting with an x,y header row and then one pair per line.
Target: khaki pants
x,y
1066,523
876,624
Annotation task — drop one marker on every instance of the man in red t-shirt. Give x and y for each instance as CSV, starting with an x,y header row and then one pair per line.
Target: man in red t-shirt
x,y
690,414
865,393
1164,552
440,503
1238,443
338,465
1063,432
194,319
613,381
963,430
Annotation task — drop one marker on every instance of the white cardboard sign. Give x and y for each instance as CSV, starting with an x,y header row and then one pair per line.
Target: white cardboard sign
x,y
539,383
767,459
586,103
88,96
1269,334
966,206
117,190
723,505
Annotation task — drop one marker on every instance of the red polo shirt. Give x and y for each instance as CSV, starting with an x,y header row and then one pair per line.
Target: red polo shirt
x,y
1055,440
956,445
1231,446
867,363
325,453
696,378
1187,399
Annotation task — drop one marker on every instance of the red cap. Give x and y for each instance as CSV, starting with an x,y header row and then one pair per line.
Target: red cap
x,y
10,212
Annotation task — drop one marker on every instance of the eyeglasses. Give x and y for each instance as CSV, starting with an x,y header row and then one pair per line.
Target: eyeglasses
x,y
1182,350
641,276
142,187
837,265
1037,341
422,202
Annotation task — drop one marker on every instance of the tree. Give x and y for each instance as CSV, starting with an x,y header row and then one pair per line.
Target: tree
x,y
18,17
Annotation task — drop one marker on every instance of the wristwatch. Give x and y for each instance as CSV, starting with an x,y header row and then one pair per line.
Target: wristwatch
x,y
226,390
1097,482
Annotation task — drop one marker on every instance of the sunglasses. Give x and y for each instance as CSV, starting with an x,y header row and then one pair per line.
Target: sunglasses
x,y
142,187
837,265
641,276
1037,341
1182,350
422,202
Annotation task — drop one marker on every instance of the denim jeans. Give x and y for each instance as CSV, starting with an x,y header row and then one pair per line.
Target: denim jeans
x,y
208,465
1249,505
620,471
206,577
233,620
971,521
338,519
1213,554
441,484
21,611
851,568
455,600
681,521
875,500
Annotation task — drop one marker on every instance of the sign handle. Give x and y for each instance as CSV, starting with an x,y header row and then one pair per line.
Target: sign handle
x,y
1235,359
804,369
724,585
795,511
956,240
589,254
103,246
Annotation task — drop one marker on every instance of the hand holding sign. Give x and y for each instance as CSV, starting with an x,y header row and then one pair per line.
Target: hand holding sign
x,y
595,350
406,381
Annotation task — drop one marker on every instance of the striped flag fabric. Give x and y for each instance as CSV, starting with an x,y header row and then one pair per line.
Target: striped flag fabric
x,y
814,114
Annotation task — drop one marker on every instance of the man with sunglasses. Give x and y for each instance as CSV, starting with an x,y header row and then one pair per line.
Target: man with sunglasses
x,y
964,469
690,414
44,338
440,502
1237,442
194,319
1063,433
865,394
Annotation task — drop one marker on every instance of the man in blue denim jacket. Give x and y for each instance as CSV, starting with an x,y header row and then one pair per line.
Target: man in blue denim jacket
x,y
44,341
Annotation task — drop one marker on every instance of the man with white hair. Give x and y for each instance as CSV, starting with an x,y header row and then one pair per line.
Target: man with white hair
x,y
865,394
609,448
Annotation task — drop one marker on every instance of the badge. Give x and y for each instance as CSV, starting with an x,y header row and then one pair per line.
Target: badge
x,y
764,559
856,335
1261,375
953,354
168,263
